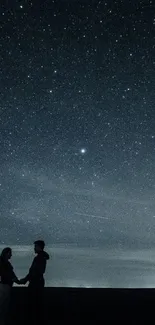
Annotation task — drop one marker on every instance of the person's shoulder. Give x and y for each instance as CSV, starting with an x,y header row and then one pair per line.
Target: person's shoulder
x,y
43,255
10,265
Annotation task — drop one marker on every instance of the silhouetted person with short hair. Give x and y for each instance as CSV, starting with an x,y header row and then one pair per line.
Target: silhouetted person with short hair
x,y
7,278
36,280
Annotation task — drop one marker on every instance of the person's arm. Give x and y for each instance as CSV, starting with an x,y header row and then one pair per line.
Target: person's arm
x,y
26,279
41,266
23,281
14,278
28,276
37,269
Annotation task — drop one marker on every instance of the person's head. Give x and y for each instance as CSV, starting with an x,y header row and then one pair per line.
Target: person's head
x,y
6,254
39,246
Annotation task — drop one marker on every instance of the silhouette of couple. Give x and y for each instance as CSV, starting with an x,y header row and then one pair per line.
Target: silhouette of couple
x,y
34,277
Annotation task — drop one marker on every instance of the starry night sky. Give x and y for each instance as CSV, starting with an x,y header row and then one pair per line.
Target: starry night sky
x,y
77,122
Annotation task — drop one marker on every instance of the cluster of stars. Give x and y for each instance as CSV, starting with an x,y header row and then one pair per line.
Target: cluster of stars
x,y
77,121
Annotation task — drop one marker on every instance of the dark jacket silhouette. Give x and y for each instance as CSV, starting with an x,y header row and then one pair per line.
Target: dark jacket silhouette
x,y
37,270
36,287
7,274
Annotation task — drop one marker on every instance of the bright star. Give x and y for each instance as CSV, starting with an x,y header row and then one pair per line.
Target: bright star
x,y
83,150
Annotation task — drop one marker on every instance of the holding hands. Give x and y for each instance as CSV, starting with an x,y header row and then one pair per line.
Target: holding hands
x,y
22,281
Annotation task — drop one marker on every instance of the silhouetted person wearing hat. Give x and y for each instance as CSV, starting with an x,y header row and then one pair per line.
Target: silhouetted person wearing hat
x,y
36,280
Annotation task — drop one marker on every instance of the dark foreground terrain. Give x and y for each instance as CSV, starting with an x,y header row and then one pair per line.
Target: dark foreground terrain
x,y
70,304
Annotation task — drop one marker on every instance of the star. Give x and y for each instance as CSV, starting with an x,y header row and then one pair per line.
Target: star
x,y
83,150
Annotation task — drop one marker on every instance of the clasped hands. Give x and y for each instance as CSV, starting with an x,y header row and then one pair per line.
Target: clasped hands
x,y
22,281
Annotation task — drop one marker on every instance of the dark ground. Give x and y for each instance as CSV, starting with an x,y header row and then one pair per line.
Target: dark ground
x,y
70,304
